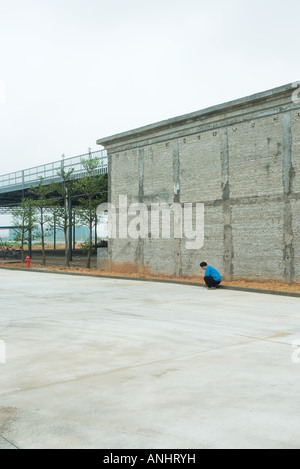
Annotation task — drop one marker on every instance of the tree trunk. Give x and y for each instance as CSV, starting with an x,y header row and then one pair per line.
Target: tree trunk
x,y
66,217
43,239
22,246
67,262
90,247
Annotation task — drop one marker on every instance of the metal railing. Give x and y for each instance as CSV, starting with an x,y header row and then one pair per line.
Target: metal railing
x,y
26,178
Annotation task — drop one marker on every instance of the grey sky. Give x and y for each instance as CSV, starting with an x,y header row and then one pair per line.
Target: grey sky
x,y
79,70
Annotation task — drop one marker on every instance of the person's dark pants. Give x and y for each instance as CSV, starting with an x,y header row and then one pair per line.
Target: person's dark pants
x,y
211,283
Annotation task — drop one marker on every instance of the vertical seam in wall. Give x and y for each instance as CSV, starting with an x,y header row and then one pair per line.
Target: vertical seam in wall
x,y
176,190
141,163
228,238
287,180
141,170
176,169
287,153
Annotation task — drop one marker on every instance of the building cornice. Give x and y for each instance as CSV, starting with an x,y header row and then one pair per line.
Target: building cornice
x,y
244,109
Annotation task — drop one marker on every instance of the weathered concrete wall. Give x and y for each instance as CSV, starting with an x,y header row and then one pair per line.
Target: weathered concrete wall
x,y
242,160
102,258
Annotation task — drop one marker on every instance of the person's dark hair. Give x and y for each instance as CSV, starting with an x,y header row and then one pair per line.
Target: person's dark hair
x,y
203,264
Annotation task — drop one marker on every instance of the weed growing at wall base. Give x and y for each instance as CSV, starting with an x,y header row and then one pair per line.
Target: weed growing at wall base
x,y
155,221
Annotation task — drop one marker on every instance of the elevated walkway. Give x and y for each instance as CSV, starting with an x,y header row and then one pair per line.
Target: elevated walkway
x,y
13,185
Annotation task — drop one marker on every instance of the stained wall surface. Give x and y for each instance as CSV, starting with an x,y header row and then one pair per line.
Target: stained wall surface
x,y
242,161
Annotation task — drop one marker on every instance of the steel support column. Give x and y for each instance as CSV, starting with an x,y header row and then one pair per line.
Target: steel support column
x,y
70,229
96,234
54,234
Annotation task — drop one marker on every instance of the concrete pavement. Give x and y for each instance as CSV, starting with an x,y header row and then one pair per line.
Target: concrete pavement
x,y
106,363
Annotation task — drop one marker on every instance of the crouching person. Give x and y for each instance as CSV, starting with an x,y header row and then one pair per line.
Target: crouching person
x,y
212,278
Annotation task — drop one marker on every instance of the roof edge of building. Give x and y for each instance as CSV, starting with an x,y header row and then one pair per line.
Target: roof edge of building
x,y
245,107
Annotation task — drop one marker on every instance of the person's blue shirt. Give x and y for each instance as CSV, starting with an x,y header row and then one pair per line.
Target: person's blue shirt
x,y
212,272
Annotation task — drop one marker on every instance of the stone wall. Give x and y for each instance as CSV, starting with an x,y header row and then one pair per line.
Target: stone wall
x,y
242,160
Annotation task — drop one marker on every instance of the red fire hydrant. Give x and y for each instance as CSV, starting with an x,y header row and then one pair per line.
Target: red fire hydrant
x,y
27,260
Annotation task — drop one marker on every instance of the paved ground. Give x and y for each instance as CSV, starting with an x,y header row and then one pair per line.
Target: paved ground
x,y
104,363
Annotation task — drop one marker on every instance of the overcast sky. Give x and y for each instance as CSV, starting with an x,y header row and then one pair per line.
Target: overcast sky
x,y
73,71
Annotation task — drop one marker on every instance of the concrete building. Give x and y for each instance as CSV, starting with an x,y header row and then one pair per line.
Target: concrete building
x,y
242,161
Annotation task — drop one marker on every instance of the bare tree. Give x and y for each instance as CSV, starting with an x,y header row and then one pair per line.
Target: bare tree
x,y
43,199
65,191
23,217
92,191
